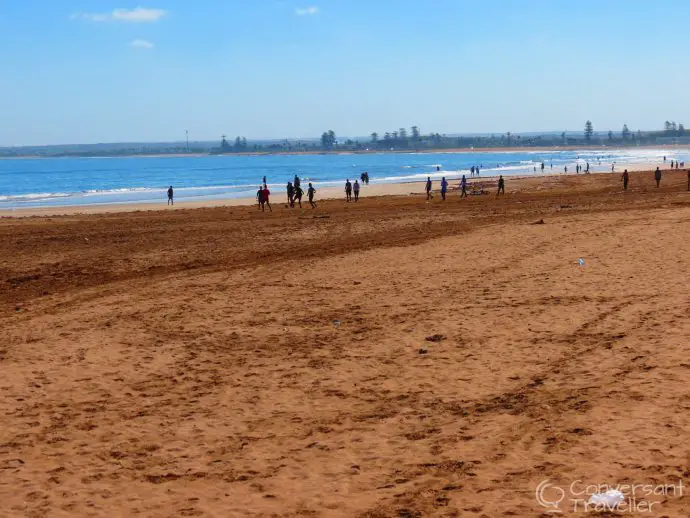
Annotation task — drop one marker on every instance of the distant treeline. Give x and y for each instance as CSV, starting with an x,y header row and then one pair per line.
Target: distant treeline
x,y
399,140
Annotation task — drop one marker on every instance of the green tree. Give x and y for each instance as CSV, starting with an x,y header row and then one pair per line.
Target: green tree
x,y
238,144
626,132
681,130
374,138
564,139
224,143
328,140
589,130
667,127
610,135
402,133
415,133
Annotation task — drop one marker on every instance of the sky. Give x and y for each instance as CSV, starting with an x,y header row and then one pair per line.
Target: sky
x,y
88,71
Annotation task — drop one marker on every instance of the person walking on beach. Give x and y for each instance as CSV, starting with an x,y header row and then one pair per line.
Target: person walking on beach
x,y
290,194
298,196
170,196
472,171
463,187
428,188
444,188
657,176
613,167
565,169
689,180
348,190
626,179
356,189
265,193
260,198
310,194
501,186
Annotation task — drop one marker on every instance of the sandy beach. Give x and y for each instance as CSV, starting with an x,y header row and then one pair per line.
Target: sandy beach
x,y
279,196
390,358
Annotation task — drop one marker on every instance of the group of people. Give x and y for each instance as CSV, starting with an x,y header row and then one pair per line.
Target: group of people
x,y
295,193
350,189
625,177
463,187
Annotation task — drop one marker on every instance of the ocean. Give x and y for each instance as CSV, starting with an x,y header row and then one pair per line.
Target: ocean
x,y
91,181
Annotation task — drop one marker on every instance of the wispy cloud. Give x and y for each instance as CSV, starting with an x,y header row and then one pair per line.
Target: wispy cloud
x,y
137,15
141,44
307,11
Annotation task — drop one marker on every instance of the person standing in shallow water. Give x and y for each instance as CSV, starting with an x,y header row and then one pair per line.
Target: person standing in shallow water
x,y
626,179
356,189
170,196
657,175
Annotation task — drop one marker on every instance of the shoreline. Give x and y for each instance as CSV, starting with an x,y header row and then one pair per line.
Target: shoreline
x,y
404,188
507,149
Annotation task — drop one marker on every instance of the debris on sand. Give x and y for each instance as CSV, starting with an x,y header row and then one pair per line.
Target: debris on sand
x,y
540,222
423,350
435,338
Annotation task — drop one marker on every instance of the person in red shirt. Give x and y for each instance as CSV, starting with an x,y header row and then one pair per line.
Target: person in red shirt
x,y
265,194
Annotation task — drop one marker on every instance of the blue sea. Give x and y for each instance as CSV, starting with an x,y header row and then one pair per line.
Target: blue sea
x,y
93,181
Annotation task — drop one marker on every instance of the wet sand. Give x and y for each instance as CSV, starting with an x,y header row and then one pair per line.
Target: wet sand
x,y
387,358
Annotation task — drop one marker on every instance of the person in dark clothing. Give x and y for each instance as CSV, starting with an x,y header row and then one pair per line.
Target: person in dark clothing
x,y
310,193
291,194
298,196
688,179
444,188
463,187
260,198
348,190
428,188
501,186
296,182
356,189
657,176
170,196
626,179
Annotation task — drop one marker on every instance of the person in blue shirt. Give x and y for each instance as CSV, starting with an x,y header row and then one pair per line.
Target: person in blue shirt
x,y
444,188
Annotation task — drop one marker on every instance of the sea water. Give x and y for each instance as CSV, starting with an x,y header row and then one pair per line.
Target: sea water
x,y
89,181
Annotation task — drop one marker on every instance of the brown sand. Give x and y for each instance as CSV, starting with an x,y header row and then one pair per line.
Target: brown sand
x,y
189,362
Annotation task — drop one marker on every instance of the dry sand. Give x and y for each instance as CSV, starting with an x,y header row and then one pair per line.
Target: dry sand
x,y
190,362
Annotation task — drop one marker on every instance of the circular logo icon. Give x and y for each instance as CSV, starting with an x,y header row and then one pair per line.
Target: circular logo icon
x,y
549,496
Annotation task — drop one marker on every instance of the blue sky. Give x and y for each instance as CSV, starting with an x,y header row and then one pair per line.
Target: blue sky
x,y
83,71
